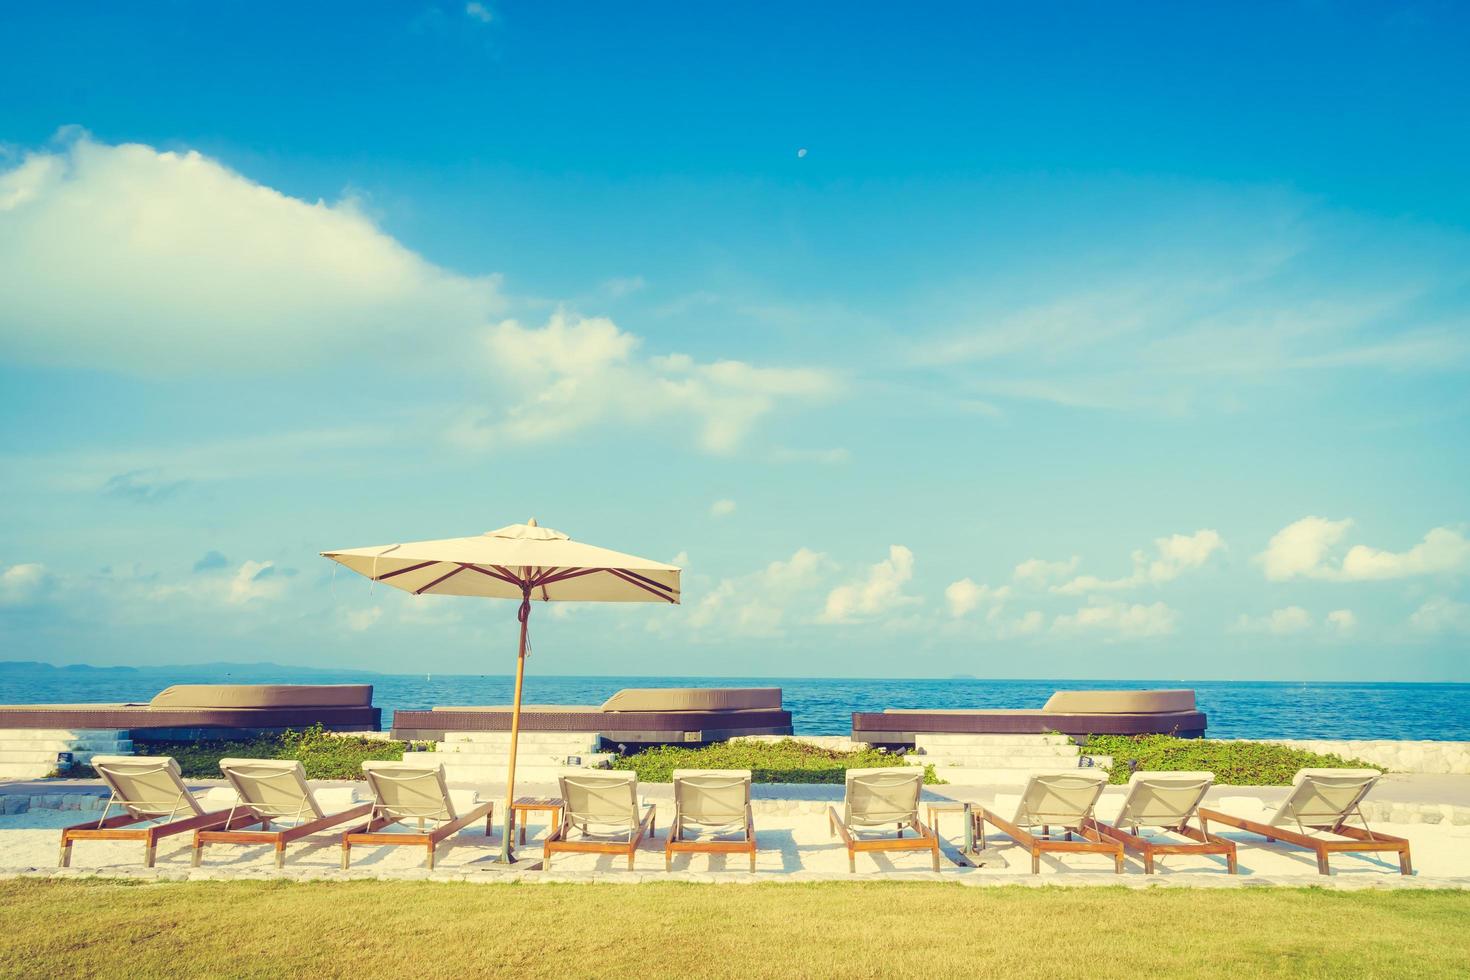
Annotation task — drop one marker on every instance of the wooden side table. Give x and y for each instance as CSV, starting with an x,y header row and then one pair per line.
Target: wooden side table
x,y
533,804
953,806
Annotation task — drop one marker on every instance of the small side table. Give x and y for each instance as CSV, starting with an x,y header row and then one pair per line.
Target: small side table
x,y
533,804
954,806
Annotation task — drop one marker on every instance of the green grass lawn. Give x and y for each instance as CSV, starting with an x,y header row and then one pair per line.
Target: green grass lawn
x,y
851,929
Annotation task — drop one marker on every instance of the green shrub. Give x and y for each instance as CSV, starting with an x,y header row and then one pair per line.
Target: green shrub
x,y
325,755
786,761
1233,763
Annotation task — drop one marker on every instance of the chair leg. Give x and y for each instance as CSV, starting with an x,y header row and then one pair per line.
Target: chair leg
x,y
198,855
1230,861
1405,866
150,851
752,859
280,855
1118,861
1322,866
1148,863
346,854
936,855
65,853
668,860
430,849
851,861
1036,862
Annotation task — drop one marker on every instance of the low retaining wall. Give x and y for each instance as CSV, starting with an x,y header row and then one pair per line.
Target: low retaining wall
x,y
1429,757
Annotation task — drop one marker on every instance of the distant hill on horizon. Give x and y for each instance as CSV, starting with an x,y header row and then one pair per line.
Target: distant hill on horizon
x,y
210,672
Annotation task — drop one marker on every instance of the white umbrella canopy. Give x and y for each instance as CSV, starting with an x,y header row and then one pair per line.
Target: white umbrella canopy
x,y
500,564
519,561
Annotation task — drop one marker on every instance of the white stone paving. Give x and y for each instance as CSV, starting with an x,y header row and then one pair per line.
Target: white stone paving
x,y
794,846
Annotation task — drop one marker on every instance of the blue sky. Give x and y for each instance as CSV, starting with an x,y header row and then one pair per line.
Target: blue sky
x,y
1075,342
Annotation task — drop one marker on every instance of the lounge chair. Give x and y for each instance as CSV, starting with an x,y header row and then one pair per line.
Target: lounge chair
x,y
1321,800
1062,800
148,788
404,791
1168,801
599,808
874,799
272,789
716,801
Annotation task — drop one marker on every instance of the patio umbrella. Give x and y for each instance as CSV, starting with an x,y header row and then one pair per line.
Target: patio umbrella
x,y
520,561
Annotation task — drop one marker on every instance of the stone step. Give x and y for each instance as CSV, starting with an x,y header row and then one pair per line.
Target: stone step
x,y
479,775
969,776
1016,760
122,747
26,755
955,739
479,748
503,738
26,770
590,760
65,734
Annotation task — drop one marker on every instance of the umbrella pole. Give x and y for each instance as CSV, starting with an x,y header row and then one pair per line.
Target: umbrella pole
x,y
506,857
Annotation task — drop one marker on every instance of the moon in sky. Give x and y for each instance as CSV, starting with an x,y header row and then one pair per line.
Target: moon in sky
x,y
801,153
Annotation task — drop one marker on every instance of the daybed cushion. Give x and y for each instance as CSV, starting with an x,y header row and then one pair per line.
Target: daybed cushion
x,y
1119,702
263,696
694,699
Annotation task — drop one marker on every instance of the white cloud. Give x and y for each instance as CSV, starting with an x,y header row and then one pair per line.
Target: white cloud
x,y
1441,614
125,258
1123,620
1442,551
24,584
1280,622
756,604
577,372
722,508
879,592
252,582
965,596
1300,547
478,11
1343,620
1305,549
1171,558
1039,573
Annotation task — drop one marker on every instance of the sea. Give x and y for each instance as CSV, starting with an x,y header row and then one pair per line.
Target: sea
x,y
822,706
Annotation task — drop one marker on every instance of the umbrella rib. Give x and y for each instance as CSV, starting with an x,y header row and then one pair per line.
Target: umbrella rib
x,y
401,571
648,581
627,577
507,577
571,573
449,574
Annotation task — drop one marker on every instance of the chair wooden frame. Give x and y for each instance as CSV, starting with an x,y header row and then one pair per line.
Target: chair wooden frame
x,y
557,842
122,827
1357,841
368,834
677,845
1092,842
1149,850
265,835
926,840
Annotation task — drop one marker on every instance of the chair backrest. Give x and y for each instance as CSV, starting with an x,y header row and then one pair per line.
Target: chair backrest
x,y
1324,797
408,790
273,788
148,787
882,796
1063,799
607,799
1163,799
714,797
